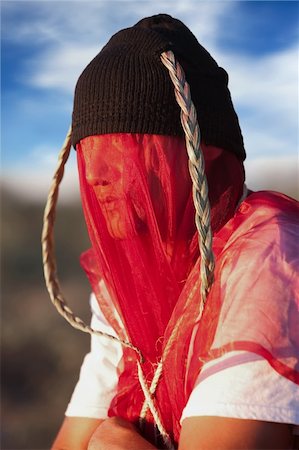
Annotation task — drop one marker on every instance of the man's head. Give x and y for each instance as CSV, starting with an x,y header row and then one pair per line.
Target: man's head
x,y
126,88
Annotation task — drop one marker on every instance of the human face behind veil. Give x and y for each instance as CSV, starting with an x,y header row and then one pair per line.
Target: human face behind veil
x,y
137,199
119,166
105,173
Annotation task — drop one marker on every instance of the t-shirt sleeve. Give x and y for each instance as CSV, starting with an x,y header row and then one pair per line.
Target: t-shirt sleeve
x,y
98,378
243,385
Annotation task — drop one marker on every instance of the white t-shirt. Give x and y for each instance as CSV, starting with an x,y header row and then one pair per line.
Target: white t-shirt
x,y
239,385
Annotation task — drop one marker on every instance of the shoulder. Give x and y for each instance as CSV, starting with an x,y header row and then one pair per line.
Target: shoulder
x,y
253,302
265,225
266,208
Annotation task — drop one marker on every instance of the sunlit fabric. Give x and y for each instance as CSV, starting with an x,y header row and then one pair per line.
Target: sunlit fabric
x,y
136,195
254,302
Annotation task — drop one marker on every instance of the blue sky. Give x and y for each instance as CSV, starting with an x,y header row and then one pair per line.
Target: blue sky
x,y
46,45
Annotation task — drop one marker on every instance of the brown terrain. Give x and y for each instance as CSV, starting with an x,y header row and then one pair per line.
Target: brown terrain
x,y
41,353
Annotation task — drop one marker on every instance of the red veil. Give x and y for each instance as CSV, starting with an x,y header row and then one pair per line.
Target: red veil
x,y
142,183
137,201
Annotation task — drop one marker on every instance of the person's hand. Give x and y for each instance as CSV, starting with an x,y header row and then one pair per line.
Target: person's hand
x,y
116,433
75,433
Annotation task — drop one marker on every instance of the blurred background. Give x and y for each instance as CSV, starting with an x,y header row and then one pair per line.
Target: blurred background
x,y
45,46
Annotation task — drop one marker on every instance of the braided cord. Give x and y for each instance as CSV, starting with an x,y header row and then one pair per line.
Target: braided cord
x,y
200,199
197,171
49,263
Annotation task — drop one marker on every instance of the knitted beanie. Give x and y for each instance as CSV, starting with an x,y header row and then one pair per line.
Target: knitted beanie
x,y
127,89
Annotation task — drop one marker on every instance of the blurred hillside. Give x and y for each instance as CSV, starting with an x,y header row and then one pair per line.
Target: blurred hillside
x,y
41,353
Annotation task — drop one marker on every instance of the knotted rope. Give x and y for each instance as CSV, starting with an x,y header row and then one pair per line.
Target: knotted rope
x,y
202,220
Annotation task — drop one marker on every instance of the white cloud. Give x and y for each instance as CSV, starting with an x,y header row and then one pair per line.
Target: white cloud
x,y
74,21
266,83
60,68
43,156
71,45
279,173
265,94
33,181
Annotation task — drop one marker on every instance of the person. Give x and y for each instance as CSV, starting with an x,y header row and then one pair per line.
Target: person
x,y
219,364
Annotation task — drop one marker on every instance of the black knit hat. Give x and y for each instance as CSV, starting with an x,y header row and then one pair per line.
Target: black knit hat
x,y
127,89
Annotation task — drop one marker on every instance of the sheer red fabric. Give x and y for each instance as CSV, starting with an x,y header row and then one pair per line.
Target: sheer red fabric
x,y
137,201
138,208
